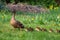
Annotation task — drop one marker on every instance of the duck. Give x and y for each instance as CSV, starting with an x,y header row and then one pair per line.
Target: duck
x,y
38,29
15,23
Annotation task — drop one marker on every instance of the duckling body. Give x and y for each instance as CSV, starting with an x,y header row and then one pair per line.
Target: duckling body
x,y
58,31
51,30
29,29
38,29
43,29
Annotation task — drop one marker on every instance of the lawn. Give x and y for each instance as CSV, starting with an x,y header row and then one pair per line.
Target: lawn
x,y
44,20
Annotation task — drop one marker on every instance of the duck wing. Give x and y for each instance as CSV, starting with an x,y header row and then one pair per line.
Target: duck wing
x,y
19,24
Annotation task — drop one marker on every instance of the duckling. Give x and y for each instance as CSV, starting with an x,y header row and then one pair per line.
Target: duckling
x,y
43,29
26,28
51,30
38,29
29,29
58,31
14,22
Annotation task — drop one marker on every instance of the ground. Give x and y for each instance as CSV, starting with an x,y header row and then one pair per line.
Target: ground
x,y
44,20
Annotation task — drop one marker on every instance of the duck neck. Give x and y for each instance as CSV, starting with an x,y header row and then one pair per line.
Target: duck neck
x,y
13,16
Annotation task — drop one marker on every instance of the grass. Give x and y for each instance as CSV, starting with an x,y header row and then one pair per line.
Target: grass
x,y
48,20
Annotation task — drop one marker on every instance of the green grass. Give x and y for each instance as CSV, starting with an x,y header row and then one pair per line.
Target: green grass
x,y
48,20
